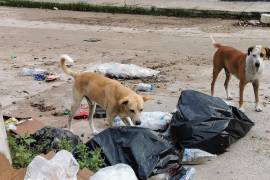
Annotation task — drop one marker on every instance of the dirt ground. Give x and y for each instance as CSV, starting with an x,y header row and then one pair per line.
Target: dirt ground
x,y
179,47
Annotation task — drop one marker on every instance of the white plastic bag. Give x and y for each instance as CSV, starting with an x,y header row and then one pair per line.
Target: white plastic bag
x,y
31,71
196,156
123,71
156,120
190,173
63,166
116,172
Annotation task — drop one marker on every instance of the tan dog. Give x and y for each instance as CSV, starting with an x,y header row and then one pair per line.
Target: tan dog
x,y
117,99
247,67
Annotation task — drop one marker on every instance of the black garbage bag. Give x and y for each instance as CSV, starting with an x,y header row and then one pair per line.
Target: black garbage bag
x,y
206,122
145,152
48,139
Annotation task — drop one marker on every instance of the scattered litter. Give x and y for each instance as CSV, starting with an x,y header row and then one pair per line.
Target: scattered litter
x,y
63,166
49,137
188,174
123,71
10,124
39,77
55,8
246,23
92,40
145,87
185,174
196,156
67,112
126,144
20,126
207,123
156,120
27,71
116,172
50,78
32,71
39,74
83,112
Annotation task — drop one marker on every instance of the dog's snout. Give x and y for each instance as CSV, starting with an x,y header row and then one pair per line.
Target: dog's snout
x,y
257,64
137,123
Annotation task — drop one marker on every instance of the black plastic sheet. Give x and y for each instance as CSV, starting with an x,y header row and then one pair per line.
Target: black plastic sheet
x,y
48,138
140,148
206,122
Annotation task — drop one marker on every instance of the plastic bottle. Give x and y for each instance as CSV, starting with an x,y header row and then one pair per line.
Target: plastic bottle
x,y
145,87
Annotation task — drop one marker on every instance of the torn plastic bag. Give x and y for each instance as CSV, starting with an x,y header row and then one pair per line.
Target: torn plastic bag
x,y
115,172
145,152
123,71
196,156
63,166
207,123
156,120
48,138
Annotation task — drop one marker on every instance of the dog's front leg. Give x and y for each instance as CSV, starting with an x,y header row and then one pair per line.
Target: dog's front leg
x,y
242,85
110,118
256,94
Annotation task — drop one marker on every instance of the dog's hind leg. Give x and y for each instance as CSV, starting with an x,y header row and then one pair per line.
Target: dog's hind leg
x,y
216,71
226,84
92,108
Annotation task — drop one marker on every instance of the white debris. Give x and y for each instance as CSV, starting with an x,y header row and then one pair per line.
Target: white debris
x,y
196,156
156,120
116,172
123,71
63,166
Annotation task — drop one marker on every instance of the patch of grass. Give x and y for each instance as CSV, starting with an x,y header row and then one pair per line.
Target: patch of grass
x,y
177,12
21,152
88,159
65,144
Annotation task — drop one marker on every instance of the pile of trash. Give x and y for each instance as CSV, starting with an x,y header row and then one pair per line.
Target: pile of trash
x,y
202,127
39,74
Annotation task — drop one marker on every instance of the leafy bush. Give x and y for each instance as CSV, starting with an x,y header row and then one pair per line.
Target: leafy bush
x,y
24,149
88,159
21,152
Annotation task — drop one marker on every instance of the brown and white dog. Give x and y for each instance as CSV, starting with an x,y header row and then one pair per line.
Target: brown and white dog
x,y
247,67
117,99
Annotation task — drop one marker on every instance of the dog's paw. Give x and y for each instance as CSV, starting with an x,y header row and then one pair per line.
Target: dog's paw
x,y
258,109
95,132
242,109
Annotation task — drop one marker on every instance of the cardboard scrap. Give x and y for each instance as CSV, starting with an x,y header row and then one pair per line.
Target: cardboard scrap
x,y
28,127
7,172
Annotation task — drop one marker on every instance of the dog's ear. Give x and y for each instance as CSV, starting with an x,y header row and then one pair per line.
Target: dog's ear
x,y
147,98
250,49
267,50
124,101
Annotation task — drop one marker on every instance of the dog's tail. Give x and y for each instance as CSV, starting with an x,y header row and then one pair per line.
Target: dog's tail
x,y
215,44
67,70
